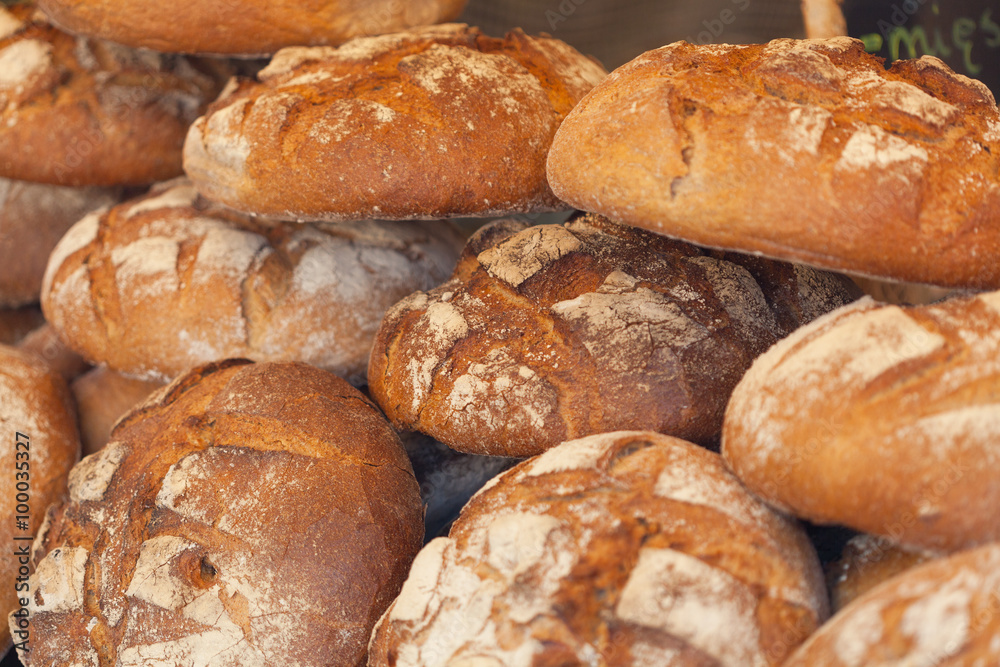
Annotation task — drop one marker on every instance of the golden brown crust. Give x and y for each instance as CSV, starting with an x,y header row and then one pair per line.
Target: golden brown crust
x,y
429,123
941,613
254,514
170,280
33,217
807,151
626,548
866,562
259,27
879,418
541,326
40,445
79,111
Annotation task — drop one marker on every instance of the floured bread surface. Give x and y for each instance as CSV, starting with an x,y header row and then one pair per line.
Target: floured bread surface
x,y
33,217
557,331
434,122
882,418
254,28
247,515
804,150
80,111
625,548
164,282
40,444
942,613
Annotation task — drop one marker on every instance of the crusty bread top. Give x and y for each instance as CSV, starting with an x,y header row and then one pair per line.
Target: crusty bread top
x,y
433,122
805,150
79,111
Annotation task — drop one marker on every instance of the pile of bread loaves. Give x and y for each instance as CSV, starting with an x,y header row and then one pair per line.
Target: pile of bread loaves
x,y
290,370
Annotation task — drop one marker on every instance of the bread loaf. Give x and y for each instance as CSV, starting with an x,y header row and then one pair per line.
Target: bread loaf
x,y
246,514
79,111
102,398
557,331
808,151
428,123
868,561
40,445
248,28
944,613
881,418
16,323
33,217
626,548
44,343
170,280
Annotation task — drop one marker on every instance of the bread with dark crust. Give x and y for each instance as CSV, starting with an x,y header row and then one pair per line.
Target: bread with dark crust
x,y
169,280
429,123
803,150
80,111
881,418
619,549
554,332
246,28
246,514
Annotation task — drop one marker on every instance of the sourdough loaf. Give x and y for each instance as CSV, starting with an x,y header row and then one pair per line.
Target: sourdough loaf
x,y
803,150
79,111
428,123
246,514
882,418
626,548
169,280
553,332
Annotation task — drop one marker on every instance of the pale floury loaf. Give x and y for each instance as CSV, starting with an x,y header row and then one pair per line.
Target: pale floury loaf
x,y
804,150
626,548
881,418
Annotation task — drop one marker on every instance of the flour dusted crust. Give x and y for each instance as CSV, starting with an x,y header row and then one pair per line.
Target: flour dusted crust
x,y
34,402
804,150
626,548
868,561
246,515
250,27
938,614
79,111
166,281
553,332
881,418
429,123
33,217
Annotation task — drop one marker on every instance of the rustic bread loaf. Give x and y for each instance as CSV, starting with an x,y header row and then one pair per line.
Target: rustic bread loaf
x,y
166,281
626,548
102,398
429,123
247,28
940,614
78,111
16,323
868,561
33,217
881,418
40,445
823,18
808,151
246,514
44,343
553,332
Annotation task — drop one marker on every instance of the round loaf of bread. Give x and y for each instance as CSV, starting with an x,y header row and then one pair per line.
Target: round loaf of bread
x,y
868,561
79,111
33,217
553,332
626,548
246,28
40,445
44,343
246,514
170,280
102,397
808,151
429,123
880,418
945,613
